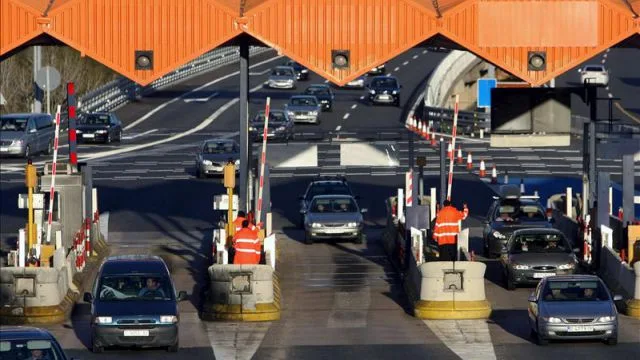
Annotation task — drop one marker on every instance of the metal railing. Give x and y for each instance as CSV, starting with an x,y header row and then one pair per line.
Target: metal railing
x,y
468,121
121,91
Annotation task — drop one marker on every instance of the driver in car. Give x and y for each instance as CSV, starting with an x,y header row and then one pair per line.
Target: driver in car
x,y
37,354
152,289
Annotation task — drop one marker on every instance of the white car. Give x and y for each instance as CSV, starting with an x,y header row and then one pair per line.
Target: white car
x,y
594,74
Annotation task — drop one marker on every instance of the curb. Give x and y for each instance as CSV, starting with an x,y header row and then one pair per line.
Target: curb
x,y
452,310
632,308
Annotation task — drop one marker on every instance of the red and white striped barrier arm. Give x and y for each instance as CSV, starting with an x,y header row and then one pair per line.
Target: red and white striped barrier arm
x,y
263,158
453,146
53,175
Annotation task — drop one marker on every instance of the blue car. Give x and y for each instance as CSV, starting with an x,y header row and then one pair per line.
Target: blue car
x,y
21,342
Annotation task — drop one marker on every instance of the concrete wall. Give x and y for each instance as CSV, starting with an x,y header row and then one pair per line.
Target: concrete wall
x,y
618,276
432,286
69,188
50,285
221,277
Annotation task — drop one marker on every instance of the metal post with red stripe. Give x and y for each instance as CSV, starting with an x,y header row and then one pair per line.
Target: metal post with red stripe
x,y
71,111
453,145
263,158
53,174
409,188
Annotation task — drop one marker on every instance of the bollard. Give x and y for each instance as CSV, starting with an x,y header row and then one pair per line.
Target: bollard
x,y
449,151
483,171
494,175
469,162
481,133
423,129
459,156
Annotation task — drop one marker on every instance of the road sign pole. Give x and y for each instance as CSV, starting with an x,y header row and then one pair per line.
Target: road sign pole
x,y
453,145
37,64
443,172
48,90
244,126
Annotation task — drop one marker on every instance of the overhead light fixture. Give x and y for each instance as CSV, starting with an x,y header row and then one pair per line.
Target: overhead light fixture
x,y
537,60
144,59
340,59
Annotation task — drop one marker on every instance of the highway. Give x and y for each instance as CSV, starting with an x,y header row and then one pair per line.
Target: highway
x,y
340,300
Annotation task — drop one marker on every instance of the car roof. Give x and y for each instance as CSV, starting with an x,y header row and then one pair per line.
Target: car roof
x,y
25,333
594,65
22,115
575,277
384,77
325,86
329,196
221,140
284,67
126,264
548,231
329,182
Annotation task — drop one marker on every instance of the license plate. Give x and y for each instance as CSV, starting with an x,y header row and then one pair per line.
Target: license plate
x,y
384,97
3,149
136,333
543,275
580,328
333,231
88,136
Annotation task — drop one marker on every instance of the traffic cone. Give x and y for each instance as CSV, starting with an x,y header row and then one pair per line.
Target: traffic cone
x,y
428,133
423,129
483,170
459,156
469,162
434,142
620,213
407,123
494,175
449,152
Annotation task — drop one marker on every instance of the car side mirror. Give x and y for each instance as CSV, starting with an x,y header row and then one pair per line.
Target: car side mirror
x,y
182,295
364,211
532,298
617,298
88,297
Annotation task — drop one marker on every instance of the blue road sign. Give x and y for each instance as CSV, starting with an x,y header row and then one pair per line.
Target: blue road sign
x,y
484,91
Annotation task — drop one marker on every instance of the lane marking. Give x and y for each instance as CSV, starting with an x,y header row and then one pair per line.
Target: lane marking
x,y
415,57
405,63
163,105
604,60
624,111
388,75
346,116
362,97
469,339
396,69
354,106
424,51
338,127
138,135
201,100
326,81
605,55
236,340
259,73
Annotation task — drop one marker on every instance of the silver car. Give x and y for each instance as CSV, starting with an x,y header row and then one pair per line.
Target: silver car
x,y
214,154
304,109
26,134
333,217
573,307
282,77
533,254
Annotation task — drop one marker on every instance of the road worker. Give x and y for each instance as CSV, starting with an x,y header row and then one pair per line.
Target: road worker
x,y
247,246
446,230
237,223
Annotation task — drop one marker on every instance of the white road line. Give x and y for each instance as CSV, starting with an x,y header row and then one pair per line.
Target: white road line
x,y
362,97
201,100
259,73
346,116
405,63
424,51
326,81
605,55
338,127
415,57
138,135
354,106
396,69
236,340
608,50
163,105
469,339
610,95
604,61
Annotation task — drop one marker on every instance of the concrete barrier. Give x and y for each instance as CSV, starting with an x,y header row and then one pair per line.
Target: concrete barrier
x,y
242,293
621,279
633,305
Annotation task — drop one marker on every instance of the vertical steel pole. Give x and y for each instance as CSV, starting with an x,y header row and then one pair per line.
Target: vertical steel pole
x,y
411,150
628,206
443,171
71,116
37,64
593,117
244,126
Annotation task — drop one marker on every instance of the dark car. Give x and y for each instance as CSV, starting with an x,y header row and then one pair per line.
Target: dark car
x,y
384,90
99,127
323,93
302,73
214,154
534,254
22,342
324,186
280,127
508,213
134,303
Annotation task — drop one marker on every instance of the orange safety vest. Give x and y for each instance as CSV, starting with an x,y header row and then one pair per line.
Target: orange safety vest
x,y
247,247
447,225
237,223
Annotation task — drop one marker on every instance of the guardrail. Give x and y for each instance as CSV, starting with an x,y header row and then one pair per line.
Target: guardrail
x,y
121,91
468,121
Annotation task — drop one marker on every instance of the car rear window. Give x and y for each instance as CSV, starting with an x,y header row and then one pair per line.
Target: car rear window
x,y
539,243
333,189
304,101
514,210
594,68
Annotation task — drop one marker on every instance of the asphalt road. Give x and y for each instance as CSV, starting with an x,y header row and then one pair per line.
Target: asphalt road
x,y
340,300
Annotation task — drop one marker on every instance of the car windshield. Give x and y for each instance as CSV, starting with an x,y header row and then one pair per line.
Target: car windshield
x,y
304,101
514,210
95,120
384,82
125,287
282,72
29,349
333,205
539,243
274,116
213,147
588,290
10,123
332,189
317,91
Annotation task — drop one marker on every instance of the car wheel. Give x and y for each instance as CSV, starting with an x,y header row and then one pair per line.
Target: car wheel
x,y
108,141
95,347
307,239
540,340
612,340
359,239
50,148
27,152
174,348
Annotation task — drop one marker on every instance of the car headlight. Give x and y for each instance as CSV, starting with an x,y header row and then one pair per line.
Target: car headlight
x,y
315,225
520,267
101,131
498,235
314,113
251,128
104,320
281,128
324,101
168,319
605,319
207,162
16,143
291,113
394,92
290,81
372,92
237,162
78,131
568,266
352,224
553,320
